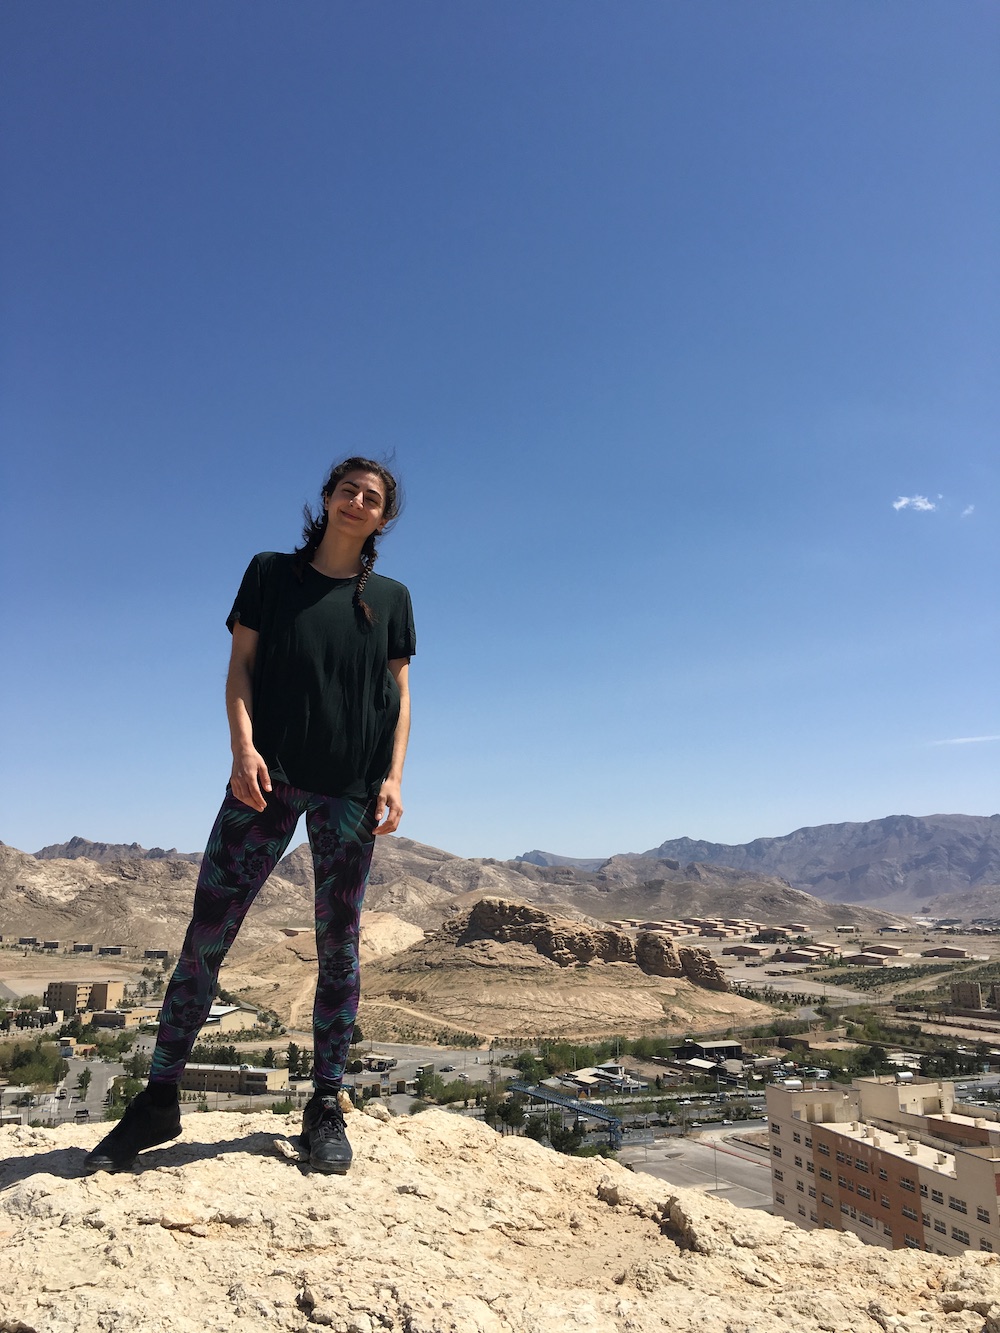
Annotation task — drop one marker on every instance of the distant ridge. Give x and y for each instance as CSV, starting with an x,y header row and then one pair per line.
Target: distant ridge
x,y
537,858
898,863
111,851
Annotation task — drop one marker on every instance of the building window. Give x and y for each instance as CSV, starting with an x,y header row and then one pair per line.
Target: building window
x,y
861,1165
845,1210
957,1204
961,1236
926,1219
882,1174
984,1244
827,1225
809,1143
802,1211
842,1157
864,1192
798,1162
812,1191
800,1187
776,1150
779,1198
905,1183
866,1220
911,1241
825,1173
778,1175
813,1217
984,1215
909,1212
887,1230
923,1191
796,1136
775,1129
937,1197
823,1149
810,1168
825,1198
885,1201
940,1226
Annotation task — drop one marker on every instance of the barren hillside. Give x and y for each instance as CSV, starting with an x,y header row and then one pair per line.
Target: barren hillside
x,y
442,1226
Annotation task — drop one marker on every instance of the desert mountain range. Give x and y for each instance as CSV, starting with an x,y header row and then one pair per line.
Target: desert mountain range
x,y
900,863
123,894
442,1226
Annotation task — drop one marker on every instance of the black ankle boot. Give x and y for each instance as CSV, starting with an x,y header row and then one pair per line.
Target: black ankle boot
x,y
142,1126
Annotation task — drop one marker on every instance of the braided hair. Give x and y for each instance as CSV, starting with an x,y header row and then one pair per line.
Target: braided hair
x,y
315,526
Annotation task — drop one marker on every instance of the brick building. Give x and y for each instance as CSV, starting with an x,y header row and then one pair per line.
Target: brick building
x,y
888,1159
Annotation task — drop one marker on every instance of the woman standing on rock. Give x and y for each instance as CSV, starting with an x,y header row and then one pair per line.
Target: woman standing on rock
x,y
319,713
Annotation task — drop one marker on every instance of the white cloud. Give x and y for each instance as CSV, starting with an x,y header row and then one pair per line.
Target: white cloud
x,y
966,740
919,502
968,510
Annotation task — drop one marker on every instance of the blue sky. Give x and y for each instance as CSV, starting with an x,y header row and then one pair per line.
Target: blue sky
x,y
661,308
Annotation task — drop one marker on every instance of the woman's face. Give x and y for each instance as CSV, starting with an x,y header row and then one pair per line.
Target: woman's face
x,y
357,504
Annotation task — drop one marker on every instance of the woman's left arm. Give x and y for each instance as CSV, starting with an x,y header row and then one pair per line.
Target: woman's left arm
x,y
389,806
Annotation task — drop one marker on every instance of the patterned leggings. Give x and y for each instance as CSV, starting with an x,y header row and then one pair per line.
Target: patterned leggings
x,y
243,849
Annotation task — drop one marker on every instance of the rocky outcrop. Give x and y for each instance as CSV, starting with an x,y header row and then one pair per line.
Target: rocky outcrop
x,y
574,943
442,1226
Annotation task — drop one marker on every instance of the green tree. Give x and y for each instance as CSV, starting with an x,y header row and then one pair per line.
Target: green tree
x,y
269,1058
293,1057
83,1082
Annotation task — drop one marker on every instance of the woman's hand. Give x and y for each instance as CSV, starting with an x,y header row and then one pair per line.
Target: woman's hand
x,y
250,779
389,807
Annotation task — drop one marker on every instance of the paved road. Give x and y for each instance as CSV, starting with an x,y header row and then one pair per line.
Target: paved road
x,y
712,1163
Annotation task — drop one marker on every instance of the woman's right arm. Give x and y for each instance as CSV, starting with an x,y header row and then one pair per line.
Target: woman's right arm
x,y
250,778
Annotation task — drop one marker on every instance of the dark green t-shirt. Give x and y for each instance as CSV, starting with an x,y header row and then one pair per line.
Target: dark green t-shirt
x,y
325,705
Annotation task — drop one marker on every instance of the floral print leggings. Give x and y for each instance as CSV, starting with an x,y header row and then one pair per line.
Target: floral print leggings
x,y
243,849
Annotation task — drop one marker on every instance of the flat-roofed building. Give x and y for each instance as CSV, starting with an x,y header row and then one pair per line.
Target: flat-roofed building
x,y
967,995
945,951
81,946
886,950
889,1160
246,1080
76,997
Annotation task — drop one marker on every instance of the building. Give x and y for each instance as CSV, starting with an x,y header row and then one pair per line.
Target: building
x,y
886,950
945,951
81,946
244,1080
154,953
888,1159
710,1050
746,950
228,1018
864,959
76,997
967,995
111,950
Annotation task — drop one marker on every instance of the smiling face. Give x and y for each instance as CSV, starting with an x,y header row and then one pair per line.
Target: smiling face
x,y
357,504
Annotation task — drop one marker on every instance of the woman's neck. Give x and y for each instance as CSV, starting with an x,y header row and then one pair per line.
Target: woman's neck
x,y
337,557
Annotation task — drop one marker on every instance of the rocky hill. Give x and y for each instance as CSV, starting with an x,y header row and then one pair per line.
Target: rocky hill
x,y
898,863
511,970
442,1226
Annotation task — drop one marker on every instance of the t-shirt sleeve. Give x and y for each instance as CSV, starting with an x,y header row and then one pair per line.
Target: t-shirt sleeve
x,y
402,635
250,599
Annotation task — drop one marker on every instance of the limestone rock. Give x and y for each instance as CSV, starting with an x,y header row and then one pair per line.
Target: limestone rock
x,y
442,1226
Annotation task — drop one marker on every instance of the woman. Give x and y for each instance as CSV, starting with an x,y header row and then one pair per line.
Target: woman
x,y
319,712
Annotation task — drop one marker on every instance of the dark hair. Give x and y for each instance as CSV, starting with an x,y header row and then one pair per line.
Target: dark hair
x,y
315,525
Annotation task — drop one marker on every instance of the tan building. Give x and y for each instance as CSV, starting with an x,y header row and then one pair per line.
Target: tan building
x,y
76,997
888,1159
967,995
245,1080
945,951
